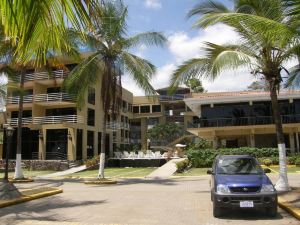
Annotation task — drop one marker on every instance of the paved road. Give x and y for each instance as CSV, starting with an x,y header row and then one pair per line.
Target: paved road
x,y
179,201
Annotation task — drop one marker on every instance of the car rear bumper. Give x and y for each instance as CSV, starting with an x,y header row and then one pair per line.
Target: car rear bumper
x,y
260,200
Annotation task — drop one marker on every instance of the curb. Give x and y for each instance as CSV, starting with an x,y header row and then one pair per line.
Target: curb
x,y
289,208
26,198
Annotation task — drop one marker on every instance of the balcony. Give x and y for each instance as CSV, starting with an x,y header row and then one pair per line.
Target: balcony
x,y
15,99
47,120
175,97
53,99
57,74
243,121
14,121
58,119
117,126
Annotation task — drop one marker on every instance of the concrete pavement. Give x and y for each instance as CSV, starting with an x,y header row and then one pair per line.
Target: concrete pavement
x,y
178,201
166,170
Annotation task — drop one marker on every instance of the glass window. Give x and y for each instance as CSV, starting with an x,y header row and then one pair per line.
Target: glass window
x,y
136,109
232,166
153,121
91,117
91,96
156,108
145,109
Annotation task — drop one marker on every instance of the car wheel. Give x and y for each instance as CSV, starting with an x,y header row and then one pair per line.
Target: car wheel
x,y
272,211
217,211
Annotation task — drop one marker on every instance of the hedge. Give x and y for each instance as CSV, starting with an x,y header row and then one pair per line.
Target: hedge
x,y
201,158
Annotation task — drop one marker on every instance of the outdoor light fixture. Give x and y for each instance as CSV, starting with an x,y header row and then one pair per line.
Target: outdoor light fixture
x,y
9,134
69,136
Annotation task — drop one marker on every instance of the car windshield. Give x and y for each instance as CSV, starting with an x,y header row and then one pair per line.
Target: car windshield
x,y
234,166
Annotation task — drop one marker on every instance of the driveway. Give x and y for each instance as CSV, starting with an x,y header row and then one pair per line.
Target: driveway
x,y
134,201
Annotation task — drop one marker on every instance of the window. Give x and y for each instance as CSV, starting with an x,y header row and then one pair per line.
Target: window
x,y
145,109
156,108
91,117
26,113
129,107
136,109
53,90
124,105
91,96
61,112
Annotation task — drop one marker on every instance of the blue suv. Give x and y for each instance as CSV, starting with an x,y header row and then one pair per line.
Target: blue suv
x,y
240,182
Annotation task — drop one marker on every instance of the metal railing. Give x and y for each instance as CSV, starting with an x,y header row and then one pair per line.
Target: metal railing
x,y
58,119
14,121
243,121
117,125
51,97
57,74
16,99
175,97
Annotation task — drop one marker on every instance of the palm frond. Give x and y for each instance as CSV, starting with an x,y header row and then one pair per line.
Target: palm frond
x,y
147,38
83,76
140,70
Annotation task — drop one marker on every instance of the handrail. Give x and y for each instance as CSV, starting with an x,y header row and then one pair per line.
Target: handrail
x,y
58,119
175,97
56,74
53,97
14,121
117,125
243,121
16,99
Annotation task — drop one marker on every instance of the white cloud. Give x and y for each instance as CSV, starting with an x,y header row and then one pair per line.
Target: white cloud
x,y
153,4
184,47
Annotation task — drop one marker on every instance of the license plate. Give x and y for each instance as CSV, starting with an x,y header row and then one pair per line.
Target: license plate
x,y
246,204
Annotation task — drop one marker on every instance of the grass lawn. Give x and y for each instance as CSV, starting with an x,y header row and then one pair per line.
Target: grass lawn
x,y
116,172
28,173
291,169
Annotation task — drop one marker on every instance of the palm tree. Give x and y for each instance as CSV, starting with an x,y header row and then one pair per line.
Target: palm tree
x,y
268,39
35,26
110,44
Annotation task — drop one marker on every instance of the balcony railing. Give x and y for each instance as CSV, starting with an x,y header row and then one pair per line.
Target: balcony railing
x,y
58,119
57,74
52,97
243,121
175,97
117,126
14,121
61,97
16,99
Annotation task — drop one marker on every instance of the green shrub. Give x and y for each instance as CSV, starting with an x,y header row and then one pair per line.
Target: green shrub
x,y
182,165
267,162
297,162
201,158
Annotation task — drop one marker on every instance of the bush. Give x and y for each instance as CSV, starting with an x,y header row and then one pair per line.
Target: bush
x,y
297,162
92,162
267,162
201,158
182,165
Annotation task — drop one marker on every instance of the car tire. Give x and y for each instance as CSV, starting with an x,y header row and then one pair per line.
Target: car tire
x,y
272,211
217,211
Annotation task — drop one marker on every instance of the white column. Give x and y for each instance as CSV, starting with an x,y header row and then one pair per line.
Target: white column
x,y
292,142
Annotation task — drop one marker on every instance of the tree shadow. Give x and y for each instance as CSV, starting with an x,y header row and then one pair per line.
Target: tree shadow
x,y
32,210
253,214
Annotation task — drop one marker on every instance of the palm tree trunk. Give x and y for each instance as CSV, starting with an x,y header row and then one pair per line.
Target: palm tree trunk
x,y
282,183
18,168
103,143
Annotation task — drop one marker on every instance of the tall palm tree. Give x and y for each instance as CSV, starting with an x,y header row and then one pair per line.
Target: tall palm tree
x,y
111,45
268,39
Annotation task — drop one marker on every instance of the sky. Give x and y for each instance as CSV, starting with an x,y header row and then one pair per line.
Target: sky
x,y
184,42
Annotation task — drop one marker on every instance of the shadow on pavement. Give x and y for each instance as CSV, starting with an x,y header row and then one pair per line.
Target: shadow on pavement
x,y
249,215
30,209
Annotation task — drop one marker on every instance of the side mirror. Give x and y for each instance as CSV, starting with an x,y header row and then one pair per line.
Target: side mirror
x,y
267,170
209,171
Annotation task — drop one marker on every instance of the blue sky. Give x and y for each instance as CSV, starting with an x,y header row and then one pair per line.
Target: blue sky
x,y
184,42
